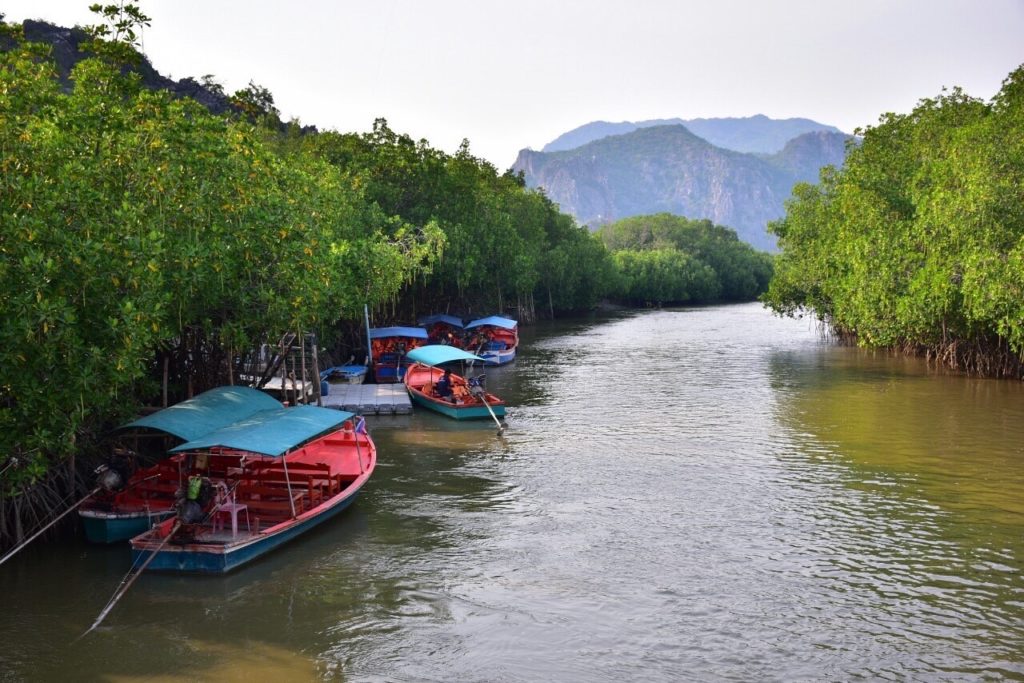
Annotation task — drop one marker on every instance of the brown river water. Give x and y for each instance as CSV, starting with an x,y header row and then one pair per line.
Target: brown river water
x,y
710,494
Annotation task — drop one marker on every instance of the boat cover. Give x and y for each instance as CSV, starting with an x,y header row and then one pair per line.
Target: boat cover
x,y
414,332
206,412
441,318
494,320
271,432
435,354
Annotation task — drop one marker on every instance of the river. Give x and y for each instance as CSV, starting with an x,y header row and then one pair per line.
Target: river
x,y
711,494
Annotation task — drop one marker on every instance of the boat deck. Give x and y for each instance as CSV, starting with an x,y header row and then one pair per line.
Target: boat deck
x,y
369,399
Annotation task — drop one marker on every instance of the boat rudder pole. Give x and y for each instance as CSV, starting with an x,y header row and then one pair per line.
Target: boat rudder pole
x,y
127,582
59,517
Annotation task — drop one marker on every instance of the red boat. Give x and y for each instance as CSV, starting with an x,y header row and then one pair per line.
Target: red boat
x,y
257,484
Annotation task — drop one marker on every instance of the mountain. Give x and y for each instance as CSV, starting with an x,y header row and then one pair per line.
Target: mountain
x,y
755,134
66,51
670,169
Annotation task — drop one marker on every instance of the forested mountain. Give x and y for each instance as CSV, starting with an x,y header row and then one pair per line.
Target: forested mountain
x,y
756,134
66,50
669,169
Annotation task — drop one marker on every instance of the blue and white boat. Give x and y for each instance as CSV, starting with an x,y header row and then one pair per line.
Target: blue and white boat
x,y
496,339
349,374
256,484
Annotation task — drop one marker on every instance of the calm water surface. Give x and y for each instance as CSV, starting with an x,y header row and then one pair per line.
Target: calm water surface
x,y
709,494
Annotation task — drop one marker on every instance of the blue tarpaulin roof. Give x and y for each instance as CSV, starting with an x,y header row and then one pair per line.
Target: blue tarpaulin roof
x,y
435,354
271,432
441,318
206,412
414,332
496,321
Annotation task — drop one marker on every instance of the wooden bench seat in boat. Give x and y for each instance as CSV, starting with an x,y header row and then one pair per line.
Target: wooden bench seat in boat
x,y
314,475
270,499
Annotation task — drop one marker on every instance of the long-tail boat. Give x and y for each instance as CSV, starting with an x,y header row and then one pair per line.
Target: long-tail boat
x,y
388,346
465,399
443,328
133,496
257,484
496,339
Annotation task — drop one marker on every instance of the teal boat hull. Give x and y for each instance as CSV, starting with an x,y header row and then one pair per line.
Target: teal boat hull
x,y
457,412
111,528
198,559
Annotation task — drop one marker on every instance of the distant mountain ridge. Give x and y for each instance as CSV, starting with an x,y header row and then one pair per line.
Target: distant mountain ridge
x,y
66,51
755,134
668,168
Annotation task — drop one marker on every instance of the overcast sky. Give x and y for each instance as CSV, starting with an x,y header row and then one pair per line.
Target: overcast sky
x,y
509,75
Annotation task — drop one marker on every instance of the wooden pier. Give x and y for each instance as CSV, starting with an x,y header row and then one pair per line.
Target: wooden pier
x,y
369,399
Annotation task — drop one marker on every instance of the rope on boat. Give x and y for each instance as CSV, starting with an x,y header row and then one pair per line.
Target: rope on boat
x,y
59,517
127,582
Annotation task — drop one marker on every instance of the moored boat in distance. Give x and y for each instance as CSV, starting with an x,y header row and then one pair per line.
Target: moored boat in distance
x,y
443,328
257,484
388,346
495,339
463,399
348,374
133,497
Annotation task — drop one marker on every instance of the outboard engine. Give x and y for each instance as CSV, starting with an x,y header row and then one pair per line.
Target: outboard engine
x,y
108,479
192,500
476,384
189,511
113,476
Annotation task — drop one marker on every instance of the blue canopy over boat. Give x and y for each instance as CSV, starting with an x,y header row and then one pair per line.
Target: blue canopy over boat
x,y
206,412
496,321
382,332
441,318
436,354
271,432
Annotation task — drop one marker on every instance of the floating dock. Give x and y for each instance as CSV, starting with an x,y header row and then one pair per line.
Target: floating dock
x,y
369,399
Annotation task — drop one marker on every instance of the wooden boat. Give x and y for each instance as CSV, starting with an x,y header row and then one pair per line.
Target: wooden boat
x,y
133,496
444,329
495,339
388,346
468,400
257,484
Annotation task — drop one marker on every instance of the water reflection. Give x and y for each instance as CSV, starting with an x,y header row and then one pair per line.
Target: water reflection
x,y
923,525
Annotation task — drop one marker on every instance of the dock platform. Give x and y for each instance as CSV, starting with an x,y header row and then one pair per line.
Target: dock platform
x,y
369,399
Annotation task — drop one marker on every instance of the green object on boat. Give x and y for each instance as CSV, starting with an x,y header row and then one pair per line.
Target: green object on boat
x,y
194,483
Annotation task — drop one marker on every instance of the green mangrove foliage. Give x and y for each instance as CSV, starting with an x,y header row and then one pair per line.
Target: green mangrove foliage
x,y
669,259
505,246
917,243
136,227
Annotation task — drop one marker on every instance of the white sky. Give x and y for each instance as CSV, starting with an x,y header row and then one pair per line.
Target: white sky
x,y
509,75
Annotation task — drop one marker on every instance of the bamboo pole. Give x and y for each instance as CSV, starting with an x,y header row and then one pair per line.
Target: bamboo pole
x,y
59,517
123,588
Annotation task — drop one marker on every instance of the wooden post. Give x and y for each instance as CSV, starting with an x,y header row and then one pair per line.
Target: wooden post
x,y
316,371
302,355
284,374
